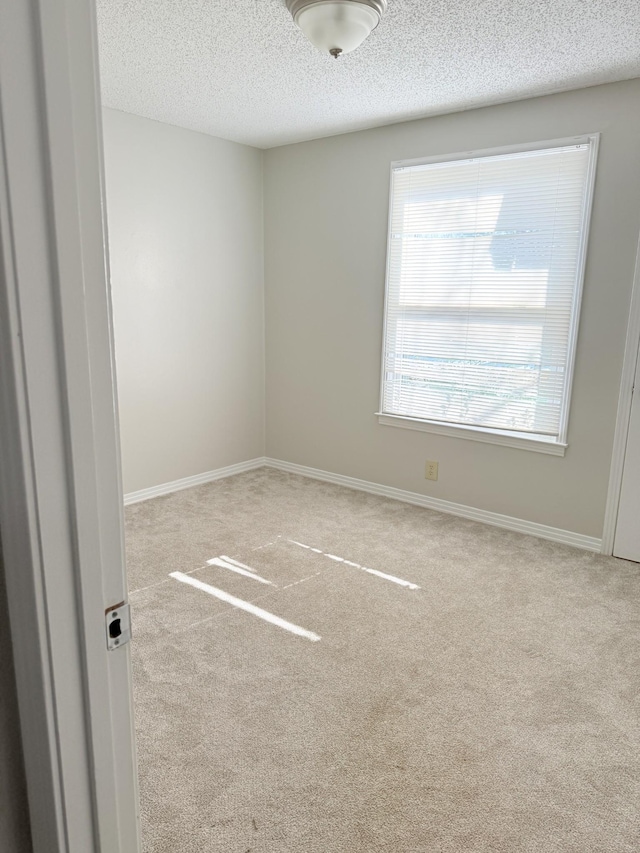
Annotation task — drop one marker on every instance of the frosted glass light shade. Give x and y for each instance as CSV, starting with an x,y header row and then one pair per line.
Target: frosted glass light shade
x,y
336,26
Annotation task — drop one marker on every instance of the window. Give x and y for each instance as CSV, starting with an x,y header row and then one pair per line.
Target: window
x,y
484,276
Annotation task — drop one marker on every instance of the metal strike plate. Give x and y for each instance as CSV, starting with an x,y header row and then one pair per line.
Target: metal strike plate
x,y
118,626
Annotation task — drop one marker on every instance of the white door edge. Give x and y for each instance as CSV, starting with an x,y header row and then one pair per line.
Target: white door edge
x,y
623,415
626,544
60,491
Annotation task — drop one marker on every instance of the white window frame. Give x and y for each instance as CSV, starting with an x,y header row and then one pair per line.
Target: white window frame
x,y
536,443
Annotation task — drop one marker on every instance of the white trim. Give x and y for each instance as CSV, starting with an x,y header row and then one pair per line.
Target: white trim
x,y
23,557
518,525
594,144
494,437
60,491
496,151
506,439
623,416
189,482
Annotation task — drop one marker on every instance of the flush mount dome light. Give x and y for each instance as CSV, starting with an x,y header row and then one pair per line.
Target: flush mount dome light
x,y
337,26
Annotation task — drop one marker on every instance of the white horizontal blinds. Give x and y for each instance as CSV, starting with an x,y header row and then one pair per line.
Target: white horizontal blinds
x,y
483,269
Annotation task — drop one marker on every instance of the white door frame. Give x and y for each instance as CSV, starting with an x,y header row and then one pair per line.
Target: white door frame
x,y
60,491
631,349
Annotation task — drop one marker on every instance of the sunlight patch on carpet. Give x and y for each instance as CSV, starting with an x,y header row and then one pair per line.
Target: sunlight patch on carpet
x,y
246,606
378,574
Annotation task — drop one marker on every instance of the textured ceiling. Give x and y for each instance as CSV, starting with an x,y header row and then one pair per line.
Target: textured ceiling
x,y
242,70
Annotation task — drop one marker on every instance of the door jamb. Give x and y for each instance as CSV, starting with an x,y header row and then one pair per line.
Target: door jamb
x,y
631,355
60,491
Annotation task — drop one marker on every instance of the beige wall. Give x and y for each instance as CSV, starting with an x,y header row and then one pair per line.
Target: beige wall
x,y
185,237
325,239
14,817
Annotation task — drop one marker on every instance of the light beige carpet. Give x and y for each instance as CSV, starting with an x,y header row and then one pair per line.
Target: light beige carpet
x,y
495,708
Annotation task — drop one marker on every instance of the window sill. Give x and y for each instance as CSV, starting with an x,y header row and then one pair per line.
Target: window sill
x,y
537,444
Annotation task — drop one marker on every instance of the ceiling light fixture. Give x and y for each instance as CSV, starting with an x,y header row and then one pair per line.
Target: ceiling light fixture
x,y
337,26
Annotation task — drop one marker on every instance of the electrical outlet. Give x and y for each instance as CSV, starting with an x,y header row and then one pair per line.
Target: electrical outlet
x,y
431,470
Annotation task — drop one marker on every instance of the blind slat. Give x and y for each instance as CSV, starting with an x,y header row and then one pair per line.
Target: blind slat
x,y
483,266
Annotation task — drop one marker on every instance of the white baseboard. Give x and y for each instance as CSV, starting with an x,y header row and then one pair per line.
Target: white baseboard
x,y
196,480
519,525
